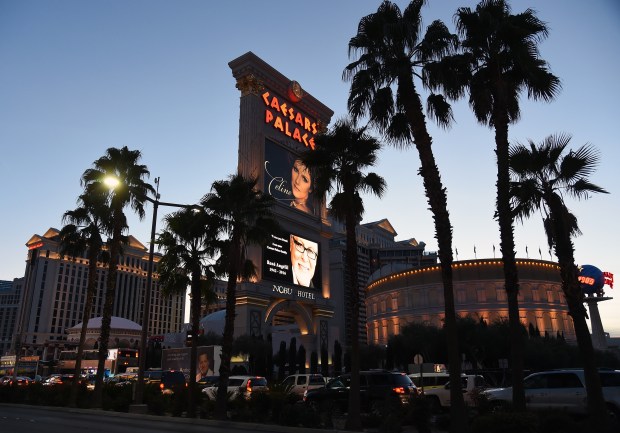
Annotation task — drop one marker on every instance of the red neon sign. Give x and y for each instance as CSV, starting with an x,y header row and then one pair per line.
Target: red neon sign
x,y
609,279
289,121
37,245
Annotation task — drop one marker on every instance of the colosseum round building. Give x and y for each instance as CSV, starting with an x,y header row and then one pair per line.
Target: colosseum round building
x,y
398,297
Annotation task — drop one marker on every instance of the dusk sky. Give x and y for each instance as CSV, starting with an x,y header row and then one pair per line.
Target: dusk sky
x,y
78,77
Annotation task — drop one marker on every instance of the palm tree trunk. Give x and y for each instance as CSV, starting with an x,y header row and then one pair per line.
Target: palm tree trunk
x,y
353,421
437,199
108,306
564,250
195,323
88,306
229,328
507,247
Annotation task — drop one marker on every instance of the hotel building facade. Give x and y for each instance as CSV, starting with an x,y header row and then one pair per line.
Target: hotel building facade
x,y
54,292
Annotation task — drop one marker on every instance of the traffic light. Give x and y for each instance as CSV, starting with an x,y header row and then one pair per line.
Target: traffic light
x,y
188,338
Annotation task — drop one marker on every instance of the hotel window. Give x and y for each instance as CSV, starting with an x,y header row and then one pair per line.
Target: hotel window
x,y
394,304
460,296
535,295
501,294
481,295
550,296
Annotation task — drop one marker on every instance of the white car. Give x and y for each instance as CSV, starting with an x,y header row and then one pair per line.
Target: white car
x,y
560,390
239,386
299,383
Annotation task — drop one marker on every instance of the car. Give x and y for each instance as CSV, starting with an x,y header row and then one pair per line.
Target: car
x,y
59,379
172,381
207,381
378,388
5,380
560,390
297,384
152,376
239,387
20,381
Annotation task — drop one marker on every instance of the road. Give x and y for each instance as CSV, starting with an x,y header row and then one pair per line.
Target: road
x,y
35,419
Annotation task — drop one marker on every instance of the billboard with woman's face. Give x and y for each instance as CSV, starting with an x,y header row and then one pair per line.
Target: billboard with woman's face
x,y
287,179
292,259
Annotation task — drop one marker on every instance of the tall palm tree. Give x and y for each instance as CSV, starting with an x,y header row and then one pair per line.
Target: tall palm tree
x,y
542,175
340,158
245,218
393,52
83,234
130,190
502,51
189,248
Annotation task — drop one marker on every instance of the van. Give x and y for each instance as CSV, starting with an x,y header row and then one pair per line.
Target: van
x,y
430,380
298,383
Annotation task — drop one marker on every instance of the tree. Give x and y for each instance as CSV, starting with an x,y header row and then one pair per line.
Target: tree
x,y
502,53
82,234
120,165
301,359
392,51
542,175
188,250
314,362
292,356
337,358
340,159
245,218
282,361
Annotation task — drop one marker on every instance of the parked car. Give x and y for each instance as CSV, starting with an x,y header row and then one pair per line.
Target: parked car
x,y
172,381
560,390
377,389
239,387
20,381
206,381
429,380
152,376
299,383
471,386
4,380
59,379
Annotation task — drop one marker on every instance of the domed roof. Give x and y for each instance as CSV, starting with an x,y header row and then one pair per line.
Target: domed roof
x,y
214,322
116,323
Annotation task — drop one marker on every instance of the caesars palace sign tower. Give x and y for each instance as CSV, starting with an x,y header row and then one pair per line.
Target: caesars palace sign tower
x,y
278,120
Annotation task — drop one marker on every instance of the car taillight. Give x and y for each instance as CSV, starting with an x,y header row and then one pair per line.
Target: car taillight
x,y
248,387
161,386
399,390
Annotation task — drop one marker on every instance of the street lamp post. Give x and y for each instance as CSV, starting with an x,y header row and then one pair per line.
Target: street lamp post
x,y
146,310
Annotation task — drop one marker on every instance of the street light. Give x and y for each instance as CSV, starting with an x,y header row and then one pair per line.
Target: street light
x,y
146,310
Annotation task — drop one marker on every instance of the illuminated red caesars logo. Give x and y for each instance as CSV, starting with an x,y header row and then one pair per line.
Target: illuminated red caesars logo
x,y
609,279
37,245
289,121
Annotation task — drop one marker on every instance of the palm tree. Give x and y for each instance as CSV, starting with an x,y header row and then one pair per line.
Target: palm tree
x,y
542,174
339,160
83,234
130,190
245,218
502,52
393,51
188,245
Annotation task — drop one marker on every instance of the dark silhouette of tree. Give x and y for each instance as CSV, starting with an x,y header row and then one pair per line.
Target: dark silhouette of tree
x,y
292,356
504,60
301,359
542,176
337,358
314,362
282,361
393,53
324,361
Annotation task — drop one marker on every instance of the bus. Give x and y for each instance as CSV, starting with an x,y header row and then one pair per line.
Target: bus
x,y
118,361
